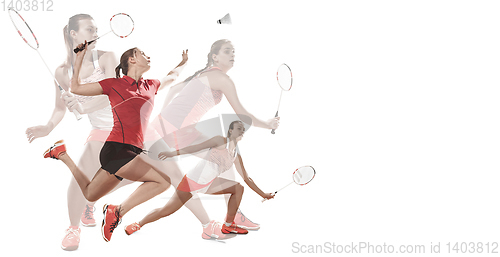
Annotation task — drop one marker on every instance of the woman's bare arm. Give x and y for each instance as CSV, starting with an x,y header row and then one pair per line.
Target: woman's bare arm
x,y
212,142
229,90
238,163
89,89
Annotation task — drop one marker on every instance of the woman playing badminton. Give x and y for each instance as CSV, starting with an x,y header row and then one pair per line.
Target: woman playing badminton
x,y
187,102
98,65
204,178
132,99
202,91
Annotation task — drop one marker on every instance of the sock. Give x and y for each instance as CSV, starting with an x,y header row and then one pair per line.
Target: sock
x,y
205,225
228,224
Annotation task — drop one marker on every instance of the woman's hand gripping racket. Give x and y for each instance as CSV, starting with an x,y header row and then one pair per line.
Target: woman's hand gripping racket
x,y
29,38
301,176
121,25
285,81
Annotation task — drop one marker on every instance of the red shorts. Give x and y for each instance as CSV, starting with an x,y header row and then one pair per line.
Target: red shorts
x,y
189,185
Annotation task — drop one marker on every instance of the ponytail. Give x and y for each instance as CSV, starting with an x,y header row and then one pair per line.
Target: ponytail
x,y
196,74
124,62
69,45
117,70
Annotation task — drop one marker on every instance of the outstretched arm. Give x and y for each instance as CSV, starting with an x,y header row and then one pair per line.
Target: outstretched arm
x,y
229,91
238,163
212,142
173,74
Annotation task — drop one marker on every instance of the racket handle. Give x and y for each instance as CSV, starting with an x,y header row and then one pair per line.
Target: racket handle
x,y
77,115
264,199
79,49
273,131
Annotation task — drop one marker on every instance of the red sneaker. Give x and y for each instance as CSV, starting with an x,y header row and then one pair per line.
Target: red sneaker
x,y
213,230
132,228
55,150
110,221
87,218
233,229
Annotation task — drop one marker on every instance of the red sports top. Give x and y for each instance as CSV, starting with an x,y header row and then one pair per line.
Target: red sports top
x,y
132,103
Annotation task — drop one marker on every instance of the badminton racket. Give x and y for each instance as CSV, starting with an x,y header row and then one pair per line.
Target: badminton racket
x,y
301,176
121,25
285,81
29,38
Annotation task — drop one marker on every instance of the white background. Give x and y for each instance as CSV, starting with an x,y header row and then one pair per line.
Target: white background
x,y
395,103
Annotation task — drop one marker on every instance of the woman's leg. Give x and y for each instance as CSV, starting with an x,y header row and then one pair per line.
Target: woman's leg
x,y
172,170
154,183
225,186
175,203
101,184
89,165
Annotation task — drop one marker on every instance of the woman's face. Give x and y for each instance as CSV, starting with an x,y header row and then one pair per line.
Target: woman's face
x,y
225,58
142,60
87,31
237,131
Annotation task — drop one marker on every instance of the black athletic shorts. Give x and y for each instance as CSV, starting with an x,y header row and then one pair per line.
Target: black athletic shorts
x,y
115,155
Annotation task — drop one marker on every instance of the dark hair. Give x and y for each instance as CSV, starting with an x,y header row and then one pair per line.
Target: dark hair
x,y
73,24
124,62
231,126
216,46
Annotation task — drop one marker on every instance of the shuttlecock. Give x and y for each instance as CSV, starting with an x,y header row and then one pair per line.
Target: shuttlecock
x,y
225,20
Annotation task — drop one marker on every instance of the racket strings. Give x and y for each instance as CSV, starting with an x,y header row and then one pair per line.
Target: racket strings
x,y
122,25
284,77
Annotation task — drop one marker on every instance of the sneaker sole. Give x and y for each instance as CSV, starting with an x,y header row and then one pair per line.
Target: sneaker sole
x,y
88,225
248,228
232,232
104,210
69,248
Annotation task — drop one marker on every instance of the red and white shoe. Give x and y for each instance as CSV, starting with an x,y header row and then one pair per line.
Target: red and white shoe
x,y
87,218
132,228
71,240
213,230
54,151
243,222
233,229
110,221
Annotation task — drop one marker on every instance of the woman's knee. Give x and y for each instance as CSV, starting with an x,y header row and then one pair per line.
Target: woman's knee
x,y
91,197
163,185
239,189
